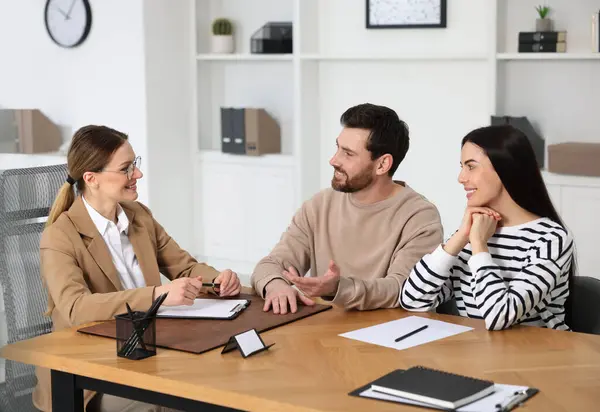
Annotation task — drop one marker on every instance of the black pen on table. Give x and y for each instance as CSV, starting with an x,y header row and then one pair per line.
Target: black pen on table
x,y
410,333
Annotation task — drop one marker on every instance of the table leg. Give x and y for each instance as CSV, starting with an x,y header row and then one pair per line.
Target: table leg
x,y
66,396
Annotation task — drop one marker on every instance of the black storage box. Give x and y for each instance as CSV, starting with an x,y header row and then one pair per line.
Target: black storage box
x,y
273,38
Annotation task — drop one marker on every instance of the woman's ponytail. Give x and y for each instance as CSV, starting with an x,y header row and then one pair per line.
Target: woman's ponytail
x,y
64,200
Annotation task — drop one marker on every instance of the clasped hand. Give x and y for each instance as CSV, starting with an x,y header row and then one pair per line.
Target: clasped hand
x,y
477,227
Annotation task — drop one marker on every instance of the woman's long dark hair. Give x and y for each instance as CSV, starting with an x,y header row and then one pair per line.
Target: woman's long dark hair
x,y
514,160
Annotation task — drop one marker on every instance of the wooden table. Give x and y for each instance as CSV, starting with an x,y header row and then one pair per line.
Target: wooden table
x,y
311,368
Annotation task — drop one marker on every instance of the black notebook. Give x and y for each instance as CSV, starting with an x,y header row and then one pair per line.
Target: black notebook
x,y
437,388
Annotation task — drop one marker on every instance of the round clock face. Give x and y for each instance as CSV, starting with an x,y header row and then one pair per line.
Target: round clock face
x,y
68,22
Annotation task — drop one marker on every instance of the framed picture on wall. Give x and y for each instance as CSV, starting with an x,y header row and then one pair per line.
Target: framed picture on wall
x,y
399,14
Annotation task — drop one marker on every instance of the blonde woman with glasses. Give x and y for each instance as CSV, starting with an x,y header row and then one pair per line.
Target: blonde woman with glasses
x,y
102,249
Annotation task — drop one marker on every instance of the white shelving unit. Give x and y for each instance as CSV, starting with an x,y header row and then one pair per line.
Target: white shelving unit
x,y
391,57
443,82
244,57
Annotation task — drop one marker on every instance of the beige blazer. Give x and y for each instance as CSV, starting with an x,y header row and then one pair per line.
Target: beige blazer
x,y
83,284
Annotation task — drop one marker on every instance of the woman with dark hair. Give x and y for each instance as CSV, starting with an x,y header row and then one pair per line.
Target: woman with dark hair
x,y
102,249
512,258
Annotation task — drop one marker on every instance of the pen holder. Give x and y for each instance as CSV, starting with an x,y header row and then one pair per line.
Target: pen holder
x,y
136,338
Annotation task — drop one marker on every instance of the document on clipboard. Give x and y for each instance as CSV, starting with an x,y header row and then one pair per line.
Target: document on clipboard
x,y
205,308
503,398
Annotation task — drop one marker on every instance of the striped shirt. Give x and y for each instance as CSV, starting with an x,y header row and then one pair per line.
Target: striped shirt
x,y
524,279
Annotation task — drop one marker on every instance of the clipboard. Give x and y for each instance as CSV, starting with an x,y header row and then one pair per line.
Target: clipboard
x,y
206,308
506,402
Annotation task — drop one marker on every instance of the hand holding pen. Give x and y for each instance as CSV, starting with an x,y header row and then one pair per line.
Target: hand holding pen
x,y
181,291
227,283
184,291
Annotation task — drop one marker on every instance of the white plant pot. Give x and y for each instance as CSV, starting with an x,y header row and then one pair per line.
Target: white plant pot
x,y
544,25
222,44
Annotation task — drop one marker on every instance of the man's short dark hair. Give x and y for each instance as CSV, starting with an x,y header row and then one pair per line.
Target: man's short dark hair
x,y
388,134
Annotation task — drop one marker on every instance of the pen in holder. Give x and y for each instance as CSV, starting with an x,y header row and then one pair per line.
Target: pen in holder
x,y
136,336
136,331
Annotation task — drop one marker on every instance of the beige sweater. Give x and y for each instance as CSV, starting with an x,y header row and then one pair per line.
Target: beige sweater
x,y
375,245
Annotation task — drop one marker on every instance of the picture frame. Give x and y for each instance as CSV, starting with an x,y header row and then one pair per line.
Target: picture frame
x,y
406,14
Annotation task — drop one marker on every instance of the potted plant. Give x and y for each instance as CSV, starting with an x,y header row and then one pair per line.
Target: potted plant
x,y
543,23
222,38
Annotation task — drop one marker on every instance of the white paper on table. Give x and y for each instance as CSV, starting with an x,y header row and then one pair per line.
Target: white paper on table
x,y
501,395
384,334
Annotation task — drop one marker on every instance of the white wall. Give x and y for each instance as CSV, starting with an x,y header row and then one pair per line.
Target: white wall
x,y
168,95
100,82
342,31
440,100
427,97
132,74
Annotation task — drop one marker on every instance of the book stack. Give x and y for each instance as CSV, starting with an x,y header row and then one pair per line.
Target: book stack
x,y
542,42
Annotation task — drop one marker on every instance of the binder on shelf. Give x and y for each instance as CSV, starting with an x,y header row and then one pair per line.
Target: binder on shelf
x,y
542,36
227,144
239,132
28,131
524,125
574,158
560,47
250,131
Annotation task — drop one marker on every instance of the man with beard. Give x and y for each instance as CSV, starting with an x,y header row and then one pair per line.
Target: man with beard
x,y
361,238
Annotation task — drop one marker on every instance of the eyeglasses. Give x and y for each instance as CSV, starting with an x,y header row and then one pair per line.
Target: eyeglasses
x,y
128,171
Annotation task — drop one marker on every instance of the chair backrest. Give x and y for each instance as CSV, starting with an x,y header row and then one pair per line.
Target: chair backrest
x,y
448,308
585,305
26,196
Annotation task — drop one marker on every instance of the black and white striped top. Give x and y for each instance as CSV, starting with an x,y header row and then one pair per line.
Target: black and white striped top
x,y
524,279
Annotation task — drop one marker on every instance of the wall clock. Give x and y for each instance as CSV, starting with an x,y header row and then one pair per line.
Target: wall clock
x,y
68,22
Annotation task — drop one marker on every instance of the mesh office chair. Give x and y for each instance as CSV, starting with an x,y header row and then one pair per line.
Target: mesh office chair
x,y
26,196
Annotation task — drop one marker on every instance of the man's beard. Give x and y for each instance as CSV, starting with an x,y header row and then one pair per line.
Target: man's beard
x,y
355,184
